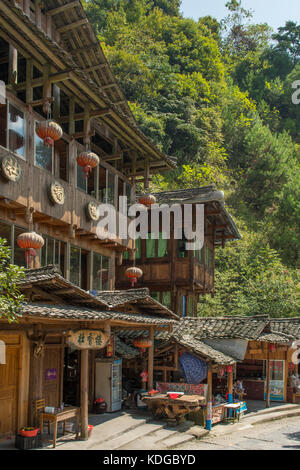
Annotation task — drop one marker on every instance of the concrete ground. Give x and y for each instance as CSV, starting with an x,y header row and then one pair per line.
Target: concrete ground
x,y
274,435
137,430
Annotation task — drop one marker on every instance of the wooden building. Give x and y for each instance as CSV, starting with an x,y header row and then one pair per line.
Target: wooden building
x,y
255,350
174,275
53,70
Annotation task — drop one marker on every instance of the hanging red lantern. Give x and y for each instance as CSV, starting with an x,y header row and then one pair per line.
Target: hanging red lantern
x,y
133,274
272,348
142,344
229,369
144,376
30,241
88,160
49,131
147,200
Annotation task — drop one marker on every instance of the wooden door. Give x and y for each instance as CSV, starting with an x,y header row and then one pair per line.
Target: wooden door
x,y
9,378
52,375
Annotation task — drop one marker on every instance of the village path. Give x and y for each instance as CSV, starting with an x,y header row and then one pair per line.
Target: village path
x,y
275,435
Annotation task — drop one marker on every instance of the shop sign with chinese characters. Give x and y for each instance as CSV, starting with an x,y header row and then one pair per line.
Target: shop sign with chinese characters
x,y
87,339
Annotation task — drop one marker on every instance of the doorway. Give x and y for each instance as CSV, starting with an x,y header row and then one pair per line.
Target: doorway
x,y
71,381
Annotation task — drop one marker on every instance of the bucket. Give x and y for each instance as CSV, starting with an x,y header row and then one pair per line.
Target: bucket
x,y
90,430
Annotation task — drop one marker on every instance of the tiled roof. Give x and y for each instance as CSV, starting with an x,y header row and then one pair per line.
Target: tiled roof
x,y
49,279
69,312
203,195
124,350
222,327
139,297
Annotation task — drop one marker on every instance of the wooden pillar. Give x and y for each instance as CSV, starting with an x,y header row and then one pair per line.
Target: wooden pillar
x,y
150,359
268,380
84,393
209,397
230,384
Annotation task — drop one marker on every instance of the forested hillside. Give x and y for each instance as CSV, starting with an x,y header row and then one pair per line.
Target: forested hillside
x,y
219,97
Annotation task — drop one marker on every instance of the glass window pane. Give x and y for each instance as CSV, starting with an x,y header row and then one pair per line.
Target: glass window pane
x,y
155,295
43,155
81,179
97,264
75,265
110,190
19,253
105,273
50,251
150,247
162,246
166,299
16,131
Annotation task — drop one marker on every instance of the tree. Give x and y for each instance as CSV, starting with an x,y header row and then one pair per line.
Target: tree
x,y
10,275
288,39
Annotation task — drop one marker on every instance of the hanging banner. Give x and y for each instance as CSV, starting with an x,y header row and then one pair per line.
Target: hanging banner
x,y
87,339
110,347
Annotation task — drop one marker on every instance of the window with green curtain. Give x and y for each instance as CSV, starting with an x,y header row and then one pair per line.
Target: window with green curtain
x,y
166,299
162,246
155,295
191,306
150,247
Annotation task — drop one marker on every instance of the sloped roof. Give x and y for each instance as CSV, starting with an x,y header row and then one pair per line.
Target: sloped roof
x,y
139,297
69,312
204,195
53,286
119,118
125,350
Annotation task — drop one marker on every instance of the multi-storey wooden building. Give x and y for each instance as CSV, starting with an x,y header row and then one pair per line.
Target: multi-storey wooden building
x,y
177,276
53,66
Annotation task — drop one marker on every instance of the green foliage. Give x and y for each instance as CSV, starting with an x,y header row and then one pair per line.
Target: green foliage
x,y
218,96
10,297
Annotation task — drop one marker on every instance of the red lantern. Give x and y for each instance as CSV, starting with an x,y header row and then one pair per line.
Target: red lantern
x,y
144,376
49,131
88,160
142,344
228,368
272,348
30,241
133,274
147,200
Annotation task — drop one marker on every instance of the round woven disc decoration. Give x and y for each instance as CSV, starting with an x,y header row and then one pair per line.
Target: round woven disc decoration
x,y
133,274
147,200
49,131
88,160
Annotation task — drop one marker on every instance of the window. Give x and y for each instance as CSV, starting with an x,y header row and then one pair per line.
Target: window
x,y
162,297
81,179
53,252
110,188
181,251
61,149
43,156
156,248
12,129
79,267
101,276
75,265
16,130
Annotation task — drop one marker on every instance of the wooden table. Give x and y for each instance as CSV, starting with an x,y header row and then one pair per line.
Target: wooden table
x,y
234,410
68,413
174,408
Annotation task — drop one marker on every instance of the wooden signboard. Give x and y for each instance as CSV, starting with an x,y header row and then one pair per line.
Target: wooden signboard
x,y
87,339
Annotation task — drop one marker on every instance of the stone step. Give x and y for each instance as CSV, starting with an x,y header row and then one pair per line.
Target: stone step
x,y
114,428
127,438
177,440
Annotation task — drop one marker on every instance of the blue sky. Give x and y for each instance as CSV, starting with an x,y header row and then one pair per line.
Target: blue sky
x,y
273,12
